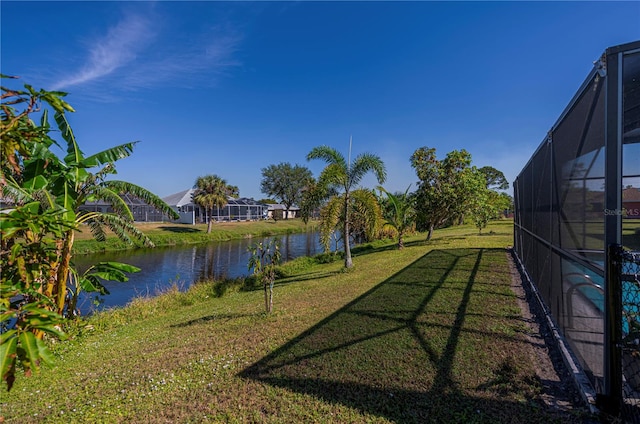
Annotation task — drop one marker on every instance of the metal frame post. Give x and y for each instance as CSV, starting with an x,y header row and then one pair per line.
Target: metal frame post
x,y
613,229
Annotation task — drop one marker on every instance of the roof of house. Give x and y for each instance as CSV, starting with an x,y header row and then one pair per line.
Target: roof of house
x,y
129,199
180,199
278,206
631,194
185,197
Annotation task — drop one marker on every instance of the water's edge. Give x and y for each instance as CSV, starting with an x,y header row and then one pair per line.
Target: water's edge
x,y
162,267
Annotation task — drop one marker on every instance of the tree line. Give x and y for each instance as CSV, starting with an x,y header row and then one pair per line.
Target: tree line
x,y
449,190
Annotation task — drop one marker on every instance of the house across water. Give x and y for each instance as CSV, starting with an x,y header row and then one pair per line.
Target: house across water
x,y
236,209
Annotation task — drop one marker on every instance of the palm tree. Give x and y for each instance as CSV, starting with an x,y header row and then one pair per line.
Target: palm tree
x,y
344,176
212,191
401,215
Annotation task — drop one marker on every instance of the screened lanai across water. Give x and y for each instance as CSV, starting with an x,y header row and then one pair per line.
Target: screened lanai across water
x,y
579,194
236,209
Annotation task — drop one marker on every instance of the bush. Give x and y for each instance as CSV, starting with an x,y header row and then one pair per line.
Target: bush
x,y
328,257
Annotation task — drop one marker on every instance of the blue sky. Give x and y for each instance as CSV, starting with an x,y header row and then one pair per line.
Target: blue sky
x,y
229,88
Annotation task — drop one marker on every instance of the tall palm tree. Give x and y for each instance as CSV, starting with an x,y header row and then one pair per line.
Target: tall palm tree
x,y
345,176
212,191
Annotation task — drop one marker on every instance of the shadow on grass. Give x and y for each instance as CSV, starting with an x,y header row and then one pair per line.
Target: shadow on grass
x,y
176,229
306,277
218,317
404,350
365,248
632,240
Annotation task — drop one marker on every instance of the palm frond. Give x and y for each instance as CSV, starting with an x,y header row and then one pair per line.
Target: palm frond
x,y
333,175
329,155
15,193
142,194
123,229
366,208
365,163
95,226
111,195
74,154
330,217
110,155
212,190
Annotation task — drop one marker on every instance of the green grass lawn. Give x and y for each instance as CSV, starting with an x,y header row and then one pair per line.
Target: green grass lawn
x,y
432,333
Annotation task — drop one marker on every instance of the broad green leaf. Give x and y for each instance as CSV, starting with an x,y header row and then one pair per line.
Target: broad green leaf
x,y
4,337
89,284
8,228
51,329
117,265
44,353
44,120
74,154
36,183
110,155
143,194
111,275
32,208
8,355
35,309
30,347
68,203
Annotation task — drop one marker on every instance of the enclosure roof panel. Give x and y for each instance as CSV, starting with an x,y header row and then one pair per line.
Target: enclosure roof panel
x,y
180,199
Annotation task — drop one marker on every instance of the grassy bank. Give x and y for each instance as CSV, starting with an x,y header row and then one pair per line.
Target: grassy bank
x,y
169,234
432,333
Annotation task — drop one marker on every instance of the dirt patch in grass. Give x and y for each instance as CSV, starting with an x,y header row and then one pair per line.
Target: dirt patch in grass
x,y
559,392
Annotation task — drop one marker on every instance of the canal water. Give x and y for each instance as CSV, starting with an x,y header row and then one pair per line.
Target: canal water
x,y
184,265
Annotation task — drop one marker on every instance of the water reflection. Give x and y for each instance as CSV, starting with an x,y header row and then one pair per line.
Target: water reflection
x,y
184,265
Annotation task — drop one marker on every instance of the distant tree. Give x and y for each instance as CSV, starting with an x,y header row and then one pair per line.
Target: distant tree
x,y
482,208
495,179
268,201
400,214
212,191
233,190
338,174
446,186
504,203
488,204
285,183
314,196
277,214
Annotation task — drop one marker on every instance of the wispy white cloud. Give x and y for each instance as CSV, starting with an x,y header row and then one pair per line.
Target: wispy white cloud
x,y
119,47
192,62
144,52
